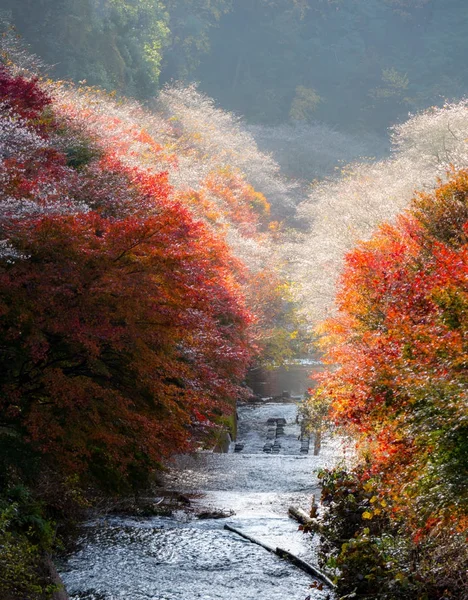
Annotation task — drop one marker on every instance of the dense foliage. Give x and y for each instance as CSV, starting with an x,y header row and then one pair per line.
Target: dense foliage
x,y
116,44
399,343
352,63
372,551
120,292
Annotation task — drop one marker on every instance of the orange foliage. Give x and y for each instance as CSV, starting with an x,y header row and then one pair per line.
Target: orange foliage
x,y
401,349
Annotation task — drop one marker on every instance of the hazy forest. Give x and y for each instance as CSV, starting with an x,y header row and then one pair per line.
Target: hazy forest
x,y
193,192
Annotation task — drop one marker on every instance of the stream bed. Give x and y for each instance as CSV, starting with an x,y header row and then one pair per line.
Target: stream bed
x,y
182,557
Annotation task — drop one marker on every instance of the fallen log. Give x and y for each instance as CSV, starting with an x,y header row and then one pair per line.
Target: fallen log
x,y
250,538
305,566
284,554
299,515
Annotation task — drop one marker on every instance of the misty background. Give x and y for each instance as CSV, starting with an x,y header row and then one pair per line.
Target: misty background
x,y
318,82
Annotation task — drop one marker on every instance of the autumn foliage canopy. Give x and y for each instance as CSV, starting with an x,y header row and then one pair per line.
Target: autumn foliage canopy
x,y
401,349
125,320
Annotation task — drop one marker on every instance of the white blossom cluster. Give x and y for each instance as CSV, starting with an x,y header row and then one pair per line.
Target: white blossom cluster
x,y
17,140
12,49
21,147
213,138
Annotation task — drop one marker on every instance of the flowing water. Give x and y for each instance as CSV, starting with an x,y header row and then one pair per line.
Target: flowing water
x,y
162,558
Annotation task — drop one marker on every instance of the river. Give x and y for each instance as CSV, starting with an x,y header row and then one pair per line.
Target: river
x,y
180,557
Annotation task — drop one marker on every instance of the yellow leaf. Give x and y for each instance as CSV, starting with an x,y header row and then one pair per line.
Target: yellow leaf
x,y
367,515
373,499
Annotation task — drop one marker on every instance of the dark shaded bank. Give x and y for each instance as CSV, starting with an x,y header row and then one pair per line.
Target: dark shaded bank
x,y
60,592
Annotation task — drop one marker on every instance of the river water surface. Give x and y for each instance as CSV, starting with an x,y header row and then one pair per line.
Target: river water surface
x,y
182,557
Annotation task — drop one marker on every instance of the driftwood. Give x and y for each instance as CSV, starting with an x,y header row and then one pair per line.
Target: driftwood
x,y
305,566
299,515
250,538
295,560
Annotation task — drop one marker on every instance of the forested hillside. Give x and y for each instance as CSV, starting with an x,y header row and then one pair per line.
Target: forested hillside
x,y
353,64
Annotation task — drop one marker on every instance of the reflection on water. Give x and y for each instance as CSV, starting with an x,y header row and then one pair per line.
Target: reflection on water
x,y
174,558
